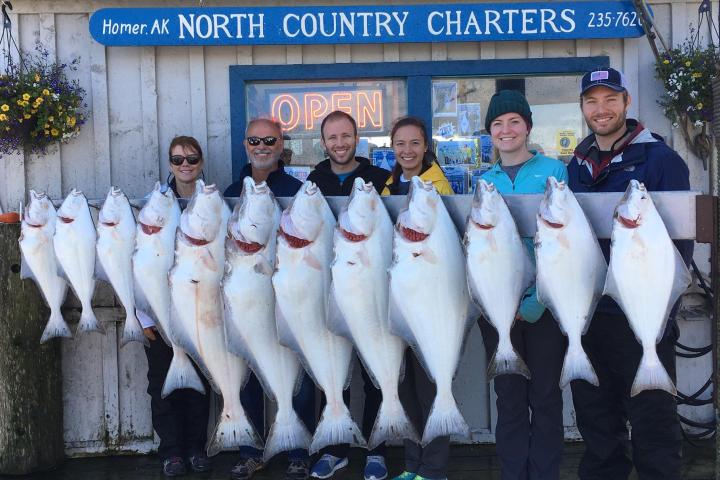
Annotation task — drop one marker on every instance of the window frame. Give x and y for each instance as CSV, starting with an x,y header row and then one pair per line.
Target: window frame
x,y
418,77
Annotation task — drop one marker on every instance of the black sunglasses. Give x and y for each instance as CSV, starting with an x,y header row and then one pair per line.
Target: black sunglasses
x,y
268,141
178,160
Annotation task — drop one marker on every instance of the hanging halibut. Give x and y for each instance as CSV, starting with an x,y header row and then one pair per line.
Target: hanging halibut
x,y
74,243
115,245
250,311
429,302
302,287
646,276
196,301
570,273
39,263
153,257
499,272
359,304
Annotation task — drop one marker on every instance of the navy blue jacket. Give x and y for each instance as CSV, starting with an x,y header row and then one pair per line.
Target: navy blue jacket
x,y
645,158
281,184
329,183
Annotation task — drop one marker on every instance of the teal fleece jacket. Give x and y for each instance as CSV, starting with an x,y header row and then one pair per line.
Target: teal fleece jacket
x,y
530,178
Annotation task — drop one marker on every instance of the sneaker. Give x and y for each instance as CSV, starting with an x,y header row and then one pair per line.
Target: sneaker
x,y
246,468
375,468
327,466
199,463
297,471
174,467
406,476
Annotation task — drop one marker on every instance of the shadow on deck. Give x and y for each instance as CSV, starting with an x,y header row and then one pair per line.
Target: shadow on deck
x,y
469,462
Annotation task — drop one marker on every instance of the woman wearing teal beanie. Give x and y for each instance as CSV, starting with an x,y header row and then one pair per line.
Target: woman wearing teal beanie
x,y
529,445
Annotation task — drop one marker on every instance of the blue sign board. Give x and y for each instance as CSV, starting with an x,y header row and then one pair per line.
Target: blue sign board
x,y
365,24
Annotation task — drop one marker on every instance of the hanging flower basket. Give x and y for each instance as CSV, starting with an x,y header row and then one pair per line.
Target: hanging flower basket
x,y
39,105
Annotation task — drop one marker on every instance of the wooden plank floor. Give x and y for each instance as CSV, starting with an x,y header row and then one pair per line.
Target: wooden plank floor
x,y
469,462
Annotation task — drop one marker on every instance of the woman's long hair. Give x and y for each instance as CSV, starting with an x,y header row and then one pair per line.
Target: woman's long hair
x,y
428,158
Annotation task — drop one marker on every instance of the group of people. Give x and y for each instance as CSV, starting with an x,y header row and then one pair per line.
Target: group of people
x,y
529,431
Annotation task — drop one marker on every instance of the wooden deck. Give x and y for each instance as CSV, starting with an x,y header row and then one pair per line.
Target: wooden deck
x,y
475,462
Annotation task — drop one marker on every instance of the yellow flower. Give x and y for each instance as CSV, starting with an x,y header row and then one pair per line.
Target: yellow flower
x,y
697,74
699,106
26,96
37,77
20,102
54,132
46,92
666,61
25,103
3,117
47,132
38,100
71,121
33,111
27,116
46,125
688,63
51,118
5,107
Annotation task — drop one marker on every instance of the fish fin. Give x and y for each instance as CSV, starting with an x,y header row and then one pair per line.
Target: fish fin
x,y
311,260
263,266
89,322
507,364
100,273
651,375
681,281
336,321
392,425
398,324
348,378
444,419
230,433
25,270
369,372
475,295
611,288
473,313
403,366
132,331
56,327
298,381
181,374
286,433
336,427
577,366
287,339
61,273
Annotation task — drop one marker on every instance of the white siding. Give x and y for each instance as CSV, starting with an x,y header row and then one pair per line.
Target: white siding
x,y
139,98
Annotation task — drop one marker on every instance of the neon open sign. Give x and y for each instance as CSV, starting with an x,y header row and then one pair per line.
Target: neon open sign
x,y
304,111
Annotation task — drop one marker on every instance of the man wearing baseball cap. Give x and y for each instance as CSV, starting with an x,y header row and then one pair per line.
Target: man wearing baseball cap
x,y
618,150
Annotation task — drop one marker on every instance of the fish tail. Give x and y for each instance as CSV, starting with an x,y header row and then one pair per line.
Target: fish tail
x,y
287,433
507,363
89,322
56,327
651,375
133,332
392,425
232,432
444,419
577,366
336,427
181,374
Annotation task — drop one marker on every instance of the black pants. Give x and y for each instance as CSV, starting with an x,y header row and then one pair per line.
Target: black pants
x,y
529,434
602,412
253,402
180,419
373,399
417,393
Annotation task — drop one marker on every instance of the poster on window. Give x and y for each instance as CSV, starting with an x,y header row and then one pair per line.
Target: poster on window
x,y
444,98
469,119
457,152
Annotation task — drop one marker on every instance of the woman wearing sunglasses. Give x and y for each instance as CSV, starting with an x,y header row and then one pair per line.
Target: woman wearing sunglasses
x,y
181,418
186,165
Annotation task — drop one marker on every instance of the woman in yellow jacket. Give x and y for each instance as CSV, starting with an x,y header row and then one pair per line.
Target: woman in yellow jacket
x,y
412,158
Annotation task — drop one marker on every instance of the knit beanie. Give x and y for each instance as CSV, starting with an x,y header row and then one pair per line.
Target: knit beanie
x,y
508,101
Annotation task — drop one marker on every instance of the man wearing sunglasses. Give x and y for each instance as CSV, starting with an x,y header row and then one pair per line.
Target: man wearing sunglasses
x,y
335,177
264,146
621,149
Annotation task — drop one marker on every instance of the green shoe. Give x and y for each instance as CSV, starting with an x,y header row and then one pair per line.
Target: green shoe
x,y
406,476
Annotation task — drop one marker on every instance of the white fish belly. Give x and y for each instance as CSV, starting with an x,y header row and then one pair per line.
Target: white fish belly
x,y
75,251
